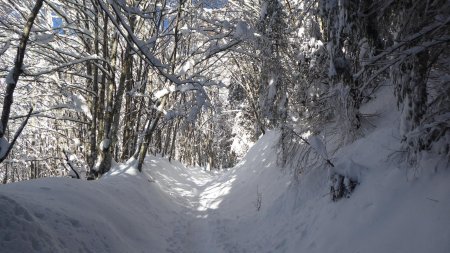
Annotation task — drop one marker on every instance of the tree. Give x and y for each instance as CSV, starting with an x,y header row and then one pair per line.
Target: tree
x,y
11,82
115,80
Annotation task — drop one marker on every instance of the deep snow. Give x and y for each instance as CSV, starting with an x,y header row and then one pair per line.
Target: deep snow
x,y
254,207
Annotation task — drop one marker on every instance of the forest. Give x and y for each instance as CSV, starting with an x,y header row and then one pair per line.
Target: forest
x,y
101,81
89,86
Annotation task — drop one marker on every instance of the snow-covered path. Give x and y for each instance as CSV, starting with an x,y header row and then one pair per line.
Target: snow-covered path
x,y
387,213
171,208
196,191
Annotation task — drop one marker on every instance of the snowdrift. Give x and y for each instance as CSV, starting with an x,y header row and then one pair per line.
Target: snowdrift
x,y
122,212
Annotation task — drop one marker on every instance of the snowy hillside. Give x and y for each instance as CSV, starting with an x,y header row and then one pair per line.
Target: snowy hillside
x,y
254,207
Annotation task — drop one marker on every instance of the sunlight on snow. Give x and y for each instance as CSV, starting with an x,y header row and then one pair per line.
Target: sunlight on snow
x,y
213,195
192,187
306,134
124,169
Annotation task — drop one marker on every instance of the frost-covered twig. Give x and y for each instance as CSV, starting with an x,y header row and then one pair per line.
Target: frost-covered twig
x,y
308,143
423,32
137,45
65,65
38,112
402,56
412,51
70,164
5,47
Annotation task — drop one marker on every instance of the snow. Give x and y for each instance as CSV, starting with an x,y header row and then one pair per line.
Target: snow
x,y
185,67
263,12
105,143
364,48
331,67
10,77
116,214
79,104
44,38
242,139
161,93
318,145
254,207
5,47
243,31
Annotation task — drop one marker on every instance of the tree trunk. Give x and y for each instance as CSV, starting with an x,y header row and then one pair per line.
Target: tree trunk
x,y
142,148
104,158
95,99
16,71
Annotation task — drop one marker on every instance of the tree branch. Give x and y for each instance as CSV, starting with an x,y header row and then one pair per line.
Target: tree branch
x,y
13,76
70,164
19,131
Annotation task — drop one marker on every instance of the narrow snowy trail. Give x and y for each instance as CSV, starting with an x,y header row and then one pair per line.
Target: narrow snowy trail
x,y
219,212
197,192
197,235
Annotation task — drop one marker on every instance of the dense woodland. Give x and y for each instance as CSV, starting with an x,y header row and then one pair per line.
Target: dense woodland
x,y
86,83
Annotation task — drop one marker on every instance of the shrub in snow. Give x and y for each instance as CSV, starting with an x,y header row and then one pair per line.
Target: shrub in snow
x,y
341,186
295,152
258,200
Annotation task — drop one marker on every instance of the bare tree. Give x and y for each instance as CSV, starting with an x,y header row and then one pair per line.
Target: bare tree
x,y
13,78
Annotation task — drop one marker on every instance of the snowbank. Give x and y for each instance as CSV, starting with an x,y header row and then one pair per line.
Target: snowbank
x,y
122,212
392,210
388,212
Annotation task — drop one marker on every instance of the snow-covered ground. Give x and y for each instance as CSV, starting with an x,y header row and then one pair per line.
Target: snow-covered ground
x,y
254,207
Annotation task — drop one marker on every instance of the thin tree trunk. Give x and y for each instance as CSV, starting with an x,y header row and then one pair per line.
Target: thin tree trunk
x,y
16,71
142,148
95,100
104,159
102,87
124,82
174,136
129,115
140,103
